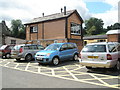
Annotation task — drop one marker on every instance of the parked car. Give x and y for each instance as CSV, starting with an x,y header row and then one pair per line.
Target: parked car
x,y
57,52
25,51
5,51
104,55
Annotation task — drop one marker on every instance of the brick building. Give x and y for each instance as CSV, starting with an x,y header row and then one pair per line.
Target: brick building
x,y
113,35
60,27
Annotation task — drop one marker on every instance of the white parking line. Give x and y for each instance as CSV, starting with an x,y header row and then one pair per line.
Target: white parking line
x,y
27,66
6,63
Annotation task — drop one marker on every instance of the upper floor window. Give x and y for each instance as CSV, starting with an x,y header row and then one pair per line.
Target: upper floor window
x,y
75,28
33,29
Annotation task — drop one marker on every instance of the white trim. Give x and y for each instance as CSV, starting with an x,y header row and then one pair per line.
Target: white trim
x,y
113,32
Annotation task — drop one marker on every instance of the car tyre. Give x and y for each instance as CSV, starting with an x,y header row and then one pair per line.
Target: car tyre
x,y
55,61
88,67
28,57
18,59
7,55
75,57
117,66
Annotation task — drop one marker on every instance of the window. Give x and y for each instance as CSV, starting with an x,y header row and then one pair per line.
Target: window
x,y
33,29
71,46
13,41
94,48
75,28
64,47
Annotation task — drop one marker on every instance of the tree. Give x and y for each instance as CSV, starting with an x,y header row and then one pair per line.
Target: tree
x,y
17,29
114,26
94,26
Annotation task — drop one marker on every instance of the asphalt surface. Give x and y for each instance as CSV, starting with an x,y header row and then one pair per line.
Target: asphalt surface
x,y
66,75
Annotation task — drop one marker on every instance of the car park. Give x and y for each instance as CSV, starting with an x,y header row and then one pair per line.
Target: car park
x,y
101,55
25,51
5,51
57,52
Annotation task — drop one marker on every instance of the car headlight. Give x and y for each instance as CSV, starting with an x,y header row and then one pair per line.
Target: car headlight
x,y
48,54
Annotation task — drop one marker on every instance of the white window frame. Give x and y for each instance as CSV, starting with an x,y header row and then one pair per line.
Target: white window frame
x,y
75,29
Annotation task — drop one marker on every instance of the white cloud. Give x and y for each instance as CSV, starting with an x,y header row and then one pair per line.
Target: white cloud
x,y
29,9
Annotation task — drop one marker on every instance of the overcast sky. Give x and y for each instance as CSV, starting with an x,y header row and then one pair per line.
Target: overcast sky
x,y
25,10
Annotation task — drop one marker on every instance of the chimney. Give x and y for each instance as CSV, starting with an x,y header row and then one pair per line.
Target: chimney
x,y
64,10
43,14
61,10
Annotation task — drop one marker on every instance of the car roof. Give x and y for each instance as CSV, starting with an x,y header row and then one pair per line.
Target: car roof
x,y
64,43
103,43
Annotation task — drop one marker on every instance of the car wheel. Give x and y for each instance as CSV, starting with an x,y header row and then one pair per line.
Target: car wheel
x,y
75,57
55,61
28,57
117,66
88,67
7,55
18,59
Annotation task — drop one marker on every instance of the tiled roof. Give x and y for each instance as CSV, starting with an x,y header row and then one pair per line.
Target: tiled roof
x,y
52,17
95,37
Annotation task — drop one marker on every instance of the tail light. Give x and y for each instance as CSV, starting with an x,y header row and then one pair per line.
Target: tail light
x,y
21,50
109,57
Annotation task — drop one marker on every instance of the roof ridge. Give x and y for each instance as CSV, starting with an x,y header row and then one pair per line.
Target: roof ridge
x,y
54,14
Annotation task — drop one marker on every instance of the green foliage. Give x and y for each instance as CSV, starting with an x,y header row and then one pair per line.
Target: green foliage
x,y
18,29
115,26
94,26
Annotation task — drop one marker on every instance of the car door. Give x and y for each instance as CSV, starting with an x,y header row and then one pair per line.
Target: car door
x,y
63,54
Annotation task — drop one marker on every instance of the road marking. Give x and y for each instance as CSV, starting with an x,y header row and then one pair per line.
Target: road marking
x,y
70,73
16,65
27,66
62,72
6,64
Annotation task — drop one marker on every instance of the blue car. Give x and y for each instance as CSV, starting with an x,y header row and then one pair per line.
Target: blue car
x,y
57,52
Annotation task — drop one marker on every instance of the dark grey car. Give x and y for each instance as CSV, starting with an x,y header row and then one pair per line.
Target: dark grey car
x,y
25,51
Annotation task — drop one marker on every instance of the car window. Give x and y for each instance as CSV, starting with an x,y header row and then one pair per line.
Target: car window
x,y
94,48
53,47
112,48
64,47
17,47
26,47
40,47
71,46
3,47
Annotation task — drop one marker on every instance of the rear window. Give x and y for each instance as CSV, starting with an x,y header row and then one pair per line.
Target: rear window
x,y
94,48
17,47
3,47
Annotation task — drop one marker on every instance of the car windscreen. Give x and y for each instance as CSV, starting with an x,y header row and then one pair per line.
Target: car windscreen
x,y
94,48
3,47
53,47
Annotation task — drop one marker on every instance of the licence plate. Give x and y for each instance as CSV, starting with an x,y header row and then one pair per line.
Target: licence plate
x,y
95,57
39,58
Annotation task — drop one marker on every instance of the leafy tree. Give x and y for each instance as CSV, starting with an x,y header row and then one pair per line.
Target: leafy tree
x,y
94,26
114,26
18,29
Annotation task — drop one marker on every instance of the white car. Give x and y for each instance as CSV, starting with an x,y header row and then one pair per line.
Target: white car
x,y
101,54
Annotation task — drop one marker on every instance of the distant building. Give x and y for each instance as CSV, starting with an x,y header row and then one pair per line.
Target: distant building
x,y
113,35
5,34
60,27
4,31
95,38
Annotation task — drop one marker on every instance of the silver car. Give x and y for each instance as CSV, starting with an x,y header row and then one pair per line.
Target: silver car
x,y
102,54
25,51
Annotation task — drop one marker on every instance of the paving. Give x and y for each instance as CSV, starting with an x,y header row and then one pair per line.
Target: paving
x,y
72,71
